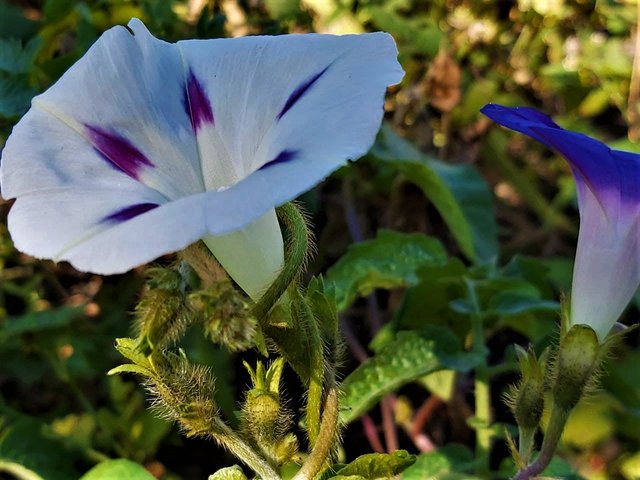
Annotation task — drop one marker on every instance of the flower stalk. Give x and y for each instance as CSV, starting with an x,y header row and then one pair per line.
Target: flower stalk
x,y
326,437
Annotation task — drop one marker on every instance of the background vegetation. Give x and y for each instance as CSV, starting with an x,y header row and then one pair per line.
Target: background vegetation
x,y
483,226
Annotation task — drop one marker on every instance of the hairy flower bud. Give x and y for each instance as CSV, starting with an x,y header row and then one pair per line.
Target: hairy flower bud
x,y
578,358
527,402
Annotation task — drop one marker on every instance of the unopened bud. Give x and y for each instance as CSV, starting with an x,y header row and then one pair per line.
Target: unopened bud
x,y
528,402
262,411
578,358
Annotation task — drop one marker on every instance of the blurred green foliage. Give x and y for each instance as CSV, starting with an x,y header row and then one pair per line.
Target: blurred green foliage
x,y
477,196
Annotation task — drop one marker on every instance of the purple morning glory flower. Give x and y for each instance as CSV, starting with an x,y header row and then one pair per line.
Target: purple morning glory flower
x,y
607,265
143,147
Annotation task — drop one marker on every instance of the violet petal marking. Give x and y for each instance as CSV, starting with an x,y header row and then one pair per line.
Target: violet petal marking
x,y
196,103
119,151
127,213
283,156
300,91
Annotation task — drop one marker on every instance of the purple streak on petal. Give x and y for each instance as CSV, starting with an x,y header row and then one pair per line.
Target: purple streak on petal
x,y
196,102
300,90
613,176
129,212
283,157
118,151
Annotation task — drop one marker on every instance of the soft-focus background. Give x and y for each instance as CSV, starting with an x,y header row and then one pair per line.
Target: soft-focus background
x,y
501,204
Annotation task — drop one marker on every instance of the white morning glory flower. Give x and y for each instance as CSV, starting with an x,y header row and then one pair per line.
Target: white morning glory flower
x,y
143,147
607,267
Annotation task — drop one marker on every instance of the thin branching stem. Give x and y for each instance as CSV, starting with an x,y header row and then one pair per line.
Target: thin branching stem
x,y
328,430
549,445
236,445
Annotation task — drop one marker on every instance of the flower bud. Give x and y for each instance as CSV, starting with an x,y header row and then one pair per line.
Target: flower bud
x,y
528,401
578,358
262,413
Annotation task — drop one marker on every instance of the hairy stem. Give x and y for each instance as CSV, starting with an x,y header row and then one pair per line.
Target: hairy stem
x,y
316,377
236,445
526,443
328,430
549,444
296,251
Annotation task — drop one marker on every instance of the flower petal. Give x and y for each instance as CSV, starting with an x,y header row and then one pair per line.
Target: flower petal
x,y
144,147
314,99
607,265
253,256
124,97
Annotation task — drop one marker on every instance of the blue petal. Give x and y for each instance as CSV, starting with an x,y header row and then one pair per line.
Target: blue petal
x,y
612,175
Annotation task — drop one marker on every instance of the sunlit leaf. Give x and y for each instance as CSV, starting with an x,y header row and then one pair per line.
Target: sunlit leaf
x,y
453,462
411,356
458,192
121,469
390,261
374,466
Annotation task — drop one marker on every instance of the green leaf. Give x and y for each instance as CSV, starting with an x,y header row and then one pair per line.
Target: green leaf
x,y
450,462
37,322
458,192
378,465
411,356
429,301
128,348
418,34
25,447
390,261
15,58
130,368
229,473
13,24
516,303
121,469
15,95
55,10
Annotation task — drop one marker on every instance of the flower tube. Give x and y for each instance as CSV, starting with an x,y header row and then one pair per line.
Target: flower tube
x,y
144,147
607,265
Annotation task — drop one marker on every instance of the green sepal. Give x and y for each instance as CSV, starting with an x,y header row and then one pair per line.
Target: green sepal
x,y
528,399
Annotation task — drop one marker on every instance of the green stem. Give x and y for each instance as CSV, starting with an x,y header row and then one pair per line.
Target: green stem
x,y
328,430
526,438
236,445
549,444
295,256
316,377
482,388
483,416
